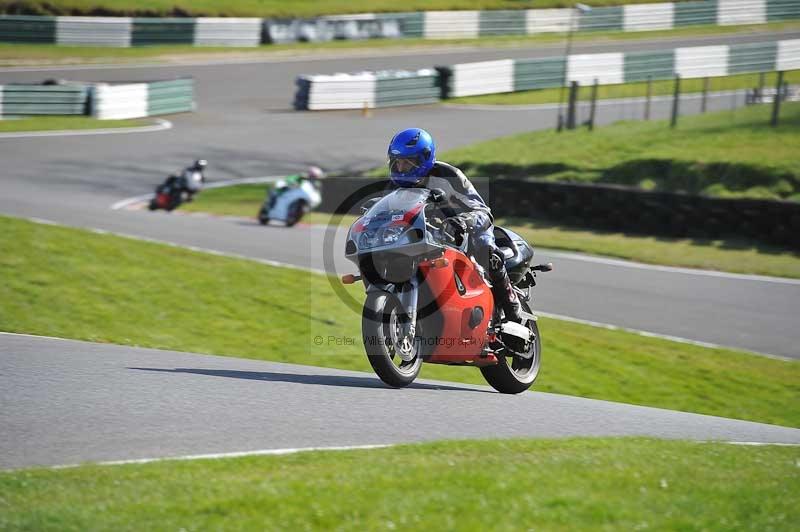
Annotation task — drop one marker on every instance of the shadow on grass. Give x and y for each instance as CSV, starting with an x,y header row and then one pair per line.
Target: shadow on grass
x,y
346,381
716,179
727,242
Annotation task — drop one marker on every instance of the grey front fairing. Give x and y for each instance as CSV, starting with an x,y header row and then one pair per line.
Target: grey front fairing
x,y
396,224
390,239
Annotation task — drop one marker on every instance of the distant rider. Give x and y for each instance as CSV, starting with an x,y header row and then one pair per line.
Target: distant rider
x,y
190,180
412,163
314,175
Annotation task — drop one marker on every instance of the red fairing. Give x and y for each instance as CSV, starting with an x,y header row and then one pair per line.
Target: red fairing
x,y
458,342
409,216
162,200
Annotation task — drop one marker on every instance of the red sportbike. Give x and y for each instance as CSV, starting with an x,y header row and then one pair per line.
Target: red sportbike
x,y
429,301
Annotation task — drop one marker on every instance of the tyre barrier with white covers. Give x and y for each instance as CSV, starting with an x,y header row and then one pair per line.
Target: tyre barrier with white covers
x,y
202,31
100,100
512,75
136,100
384,89
367,90
28,99
131,31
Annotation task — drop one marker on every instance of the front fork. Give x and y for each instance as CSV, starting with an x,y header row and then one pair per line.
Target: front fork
x,y
409,297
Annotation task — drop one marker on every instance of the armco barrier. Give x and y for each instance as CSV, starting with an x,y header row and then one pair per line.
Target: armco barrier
x,y
489,77
123,31
618,208
25,99
136,100
367,89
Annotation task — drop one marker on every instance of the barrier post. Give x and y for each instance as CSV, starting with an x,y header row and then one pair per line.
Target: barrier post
x,y
593,106
761,84
776,104
703,101
649,97
573,96
675,102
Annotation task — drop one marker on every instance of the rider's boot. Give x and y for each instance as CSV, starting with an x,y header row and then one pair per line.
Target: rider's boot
x,y
503,290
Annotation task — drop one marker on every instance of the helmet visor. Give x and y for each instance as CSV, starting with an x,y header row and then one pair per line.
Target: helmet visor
x,y
403,165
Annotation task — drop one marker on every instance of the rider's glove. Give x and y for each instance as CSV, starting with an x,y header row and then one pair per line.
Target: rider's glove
x,y
471,222
455,226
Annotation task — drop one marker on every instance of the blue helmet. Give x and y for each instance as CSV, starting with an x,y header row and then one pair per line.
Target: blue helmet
x,y
412,153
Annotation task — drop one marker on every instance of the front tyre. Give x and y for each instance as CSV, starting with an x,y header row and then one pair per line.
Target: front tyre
x,y
395,358
515,374
297,210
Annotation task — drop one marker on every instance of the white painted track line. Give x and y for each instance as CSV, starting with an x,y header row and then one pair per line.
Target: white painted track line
x,y
240,454
161,125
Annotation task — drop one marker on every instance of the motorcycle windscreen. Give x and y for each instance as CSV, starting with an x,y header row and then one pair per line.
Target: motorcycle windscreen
x,y
399,201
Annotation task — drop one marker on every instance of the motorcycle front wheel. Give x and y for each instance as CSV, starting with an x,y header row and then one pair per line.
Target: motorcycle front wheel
x,y
394,358
296,212
515,374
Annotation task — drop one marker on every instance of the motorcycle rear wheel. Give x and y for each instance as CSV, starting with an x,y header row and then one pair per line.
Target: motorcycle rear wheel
x,y
514,374
395,359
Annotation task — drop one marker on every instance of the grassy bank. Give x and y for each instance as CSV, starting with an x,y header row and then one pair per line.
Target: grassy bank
x,y
22,54
732,255
725,154
577,484
74,284
269,8
58,123
632,90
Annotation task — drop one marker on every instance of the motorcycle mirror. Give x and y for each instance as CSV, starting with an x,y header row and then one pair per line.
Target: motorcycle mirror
x,y
437,195
367,205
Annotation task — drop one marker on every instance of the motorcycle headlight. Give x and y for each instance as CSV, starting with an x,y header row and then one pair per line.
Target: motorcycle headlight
x,y
368,239
391,234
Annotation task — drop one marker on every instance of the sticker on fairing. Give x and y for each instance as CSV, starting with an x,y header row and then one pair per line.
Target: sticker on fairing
x,y
397,217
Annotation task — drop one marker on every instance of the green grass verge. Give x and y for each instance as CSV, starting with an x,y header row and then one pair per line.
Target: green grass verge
x,y
575,484
630,90
13,54
271,8
57,123
725,154
730,254
74,284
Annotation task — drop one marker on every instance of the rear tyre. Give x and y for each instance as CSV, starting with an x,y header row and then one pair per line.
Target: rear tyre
x,y
395,359
515,374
